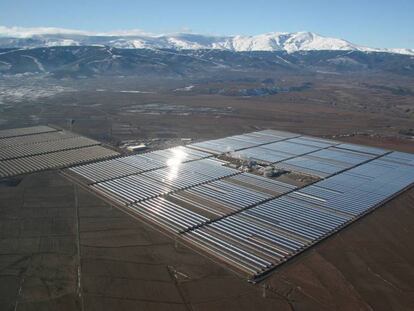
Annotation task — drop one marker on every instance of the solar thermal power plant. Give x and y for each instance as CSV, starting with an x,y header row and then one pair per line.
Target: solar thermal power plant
x,y
26,150
248,222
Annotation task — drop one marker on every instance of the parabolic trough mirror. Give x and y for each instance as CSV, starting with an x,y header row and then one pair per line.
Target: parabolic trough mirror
x,y
204,196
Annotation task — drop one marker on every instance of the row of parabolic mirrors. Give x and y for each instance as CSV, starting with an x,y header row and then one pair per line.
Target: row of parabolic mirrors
x,y
249,222
31,149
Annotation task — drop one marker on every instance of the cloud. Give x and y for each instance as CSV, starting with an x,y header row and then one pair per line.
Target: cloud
x,y
126,33
27,32
186,29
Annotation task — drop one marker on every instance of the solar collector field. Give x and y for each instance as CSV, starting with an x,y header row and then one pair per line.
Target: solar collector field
x,y
220,197
282,150
249,222
239,142
133,188
19,151
24,131
130,165
53,160
27,150
326,162
38,138
143,186
306,215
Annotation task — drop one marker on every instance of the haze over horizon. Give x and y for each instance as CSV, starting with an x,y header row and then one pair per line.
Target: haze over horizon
x,y
385,24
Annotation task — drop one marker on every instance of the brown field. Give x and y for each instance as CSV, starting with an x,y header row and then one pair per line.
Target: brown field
x,y
342,105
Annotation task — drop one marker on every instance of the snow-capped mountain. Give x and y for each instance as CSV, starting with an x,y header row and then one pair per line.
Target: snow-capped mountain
x,y
12,37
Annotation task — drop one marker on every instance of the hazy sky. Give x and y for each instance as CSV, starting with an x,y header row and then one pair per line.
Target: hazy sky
x,y
379,23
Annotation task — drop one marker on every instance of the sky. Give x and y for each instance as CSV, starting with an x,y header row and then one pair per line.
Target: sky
x,y
379,23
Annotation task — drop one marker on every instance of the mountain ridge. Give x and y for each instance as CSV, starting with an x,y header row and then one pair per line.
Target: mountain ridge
x,y
86,61
17,37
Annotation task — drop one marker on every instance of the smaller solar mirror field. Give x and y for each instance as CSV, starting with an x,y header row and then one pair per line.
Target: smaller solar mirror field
x,y
31,149
251,201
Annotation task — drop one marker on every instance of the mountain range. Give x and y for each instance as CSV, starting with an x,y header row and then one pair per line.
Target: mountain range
x,y
12,37
61,53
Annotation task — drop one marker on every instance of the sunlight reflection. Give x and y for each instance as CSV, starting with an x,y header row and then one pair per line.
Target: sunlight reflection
x,y
174,162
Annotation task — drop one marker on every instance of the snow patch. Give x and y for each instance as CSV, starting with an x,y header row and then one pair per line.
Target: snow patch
x,y
137,92
37,62
184,89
